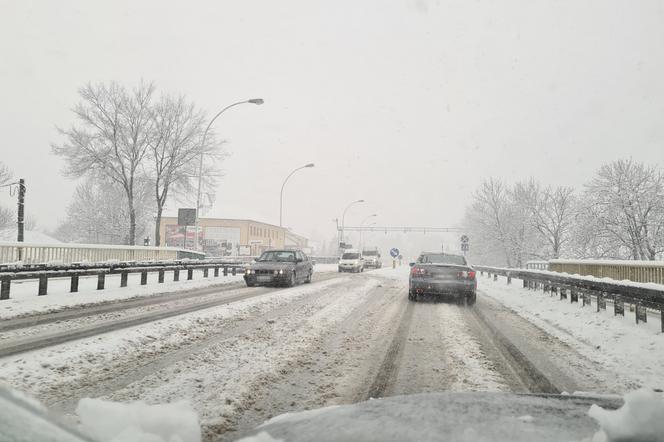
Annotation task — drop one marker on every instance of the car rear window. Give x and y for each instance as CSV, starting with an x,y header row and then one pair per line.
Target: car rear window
x,y
439,258
350,256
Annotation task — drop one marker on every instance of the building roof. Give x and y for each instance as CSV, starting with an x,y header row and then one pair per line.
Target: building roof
x,y
232,219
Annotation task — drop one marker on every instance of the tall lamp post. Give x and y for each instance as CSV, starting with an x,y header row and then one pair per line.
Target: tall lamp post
x,y
200,166
281,195
343,219
362,225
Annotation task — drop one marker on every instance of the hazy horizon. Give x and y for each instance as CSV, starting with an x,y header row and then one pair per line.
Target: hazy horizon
x,y
408,105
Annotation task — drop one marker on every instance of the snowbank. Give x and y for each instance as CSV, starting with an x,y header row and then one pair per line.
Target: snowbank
x,y
118,422
633,354
640,418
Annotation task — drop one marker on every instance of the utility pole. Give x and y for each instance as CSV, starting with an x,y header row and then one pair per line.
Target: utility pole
x,y
21,210
21,215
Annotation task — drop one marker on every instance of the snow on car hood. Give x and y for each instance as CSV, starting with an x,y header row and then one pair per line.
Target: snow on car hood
x,y
443,416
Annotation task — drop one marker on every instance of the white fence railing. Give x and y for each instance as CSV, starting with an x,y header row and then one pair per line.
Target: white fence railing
x,y
638,271
30,253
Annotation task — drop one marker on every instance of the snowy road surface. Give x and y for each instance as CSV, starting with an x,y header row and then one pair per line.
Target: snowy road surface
x,y
254,353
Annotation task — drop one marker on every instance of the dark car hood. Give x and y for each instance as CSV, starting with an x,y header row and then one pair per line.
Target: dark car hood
x,y
443,417
272,265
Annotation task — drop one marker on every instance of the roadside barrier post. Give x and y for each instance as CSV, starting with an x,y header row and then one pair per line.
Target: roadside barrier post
x,y
5,284
123,279
101,279
43,285
73,286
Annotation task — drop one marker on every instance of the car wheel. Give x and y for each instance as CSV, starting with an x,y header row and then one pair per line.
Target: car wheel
x,y
308,280
251,284
292,280
470,299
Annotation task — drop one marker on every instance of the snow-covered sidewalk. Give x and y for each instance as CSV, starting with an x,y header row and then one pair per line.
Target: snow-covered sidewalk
x,y
635,353
24,299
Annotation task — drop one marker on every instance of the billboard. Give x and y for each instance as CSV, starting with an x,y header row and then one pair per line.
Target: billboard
x,y
186,217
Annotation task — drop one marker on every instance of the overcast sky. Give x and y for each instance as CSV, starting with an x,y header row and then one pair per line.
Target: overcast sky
x,y
407,104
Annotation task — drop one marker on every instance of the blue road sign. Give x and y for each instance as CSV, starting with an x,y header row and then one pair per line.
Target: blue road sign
x,y
394,252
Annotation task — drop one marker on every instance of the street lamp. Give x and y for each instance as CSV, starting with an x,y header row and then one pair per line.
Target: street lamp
x,y
200,166
281,195
343,218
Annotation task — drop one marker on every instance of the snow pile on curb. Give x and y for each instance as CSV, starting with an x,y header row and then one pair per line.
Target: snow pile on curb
x,y
633,353
24,299
116,422
640,418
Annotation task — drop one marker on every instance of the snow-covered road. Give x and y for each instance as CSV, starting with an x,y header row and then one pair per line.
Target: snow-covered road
x,y
341,339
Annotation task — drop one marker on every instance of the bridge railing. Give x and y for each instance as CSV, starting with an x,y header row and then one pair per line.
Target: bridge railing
x,y
34,253
637,271
641,296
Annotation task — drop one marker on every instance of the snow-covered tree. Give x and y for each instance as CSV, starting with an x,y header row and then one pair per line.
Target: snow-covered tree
x,y
487,223
627,200
7,216
552,211
510,225
111,139
98,213
175,151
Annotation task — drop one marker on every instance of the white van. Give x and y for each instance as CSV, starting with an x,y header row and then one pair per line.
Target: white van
x,y
351,261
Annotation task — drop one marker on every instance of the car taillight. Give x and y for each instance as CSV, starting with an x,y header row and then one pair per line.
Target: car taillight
x,y
466,275
417,271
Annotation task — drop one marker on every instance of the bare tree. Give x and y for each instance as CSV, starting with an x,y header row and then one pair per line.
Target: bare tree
x,y
7,217
5,174
98,213
522,221
627,199
112,138
552,215
487,219
175,151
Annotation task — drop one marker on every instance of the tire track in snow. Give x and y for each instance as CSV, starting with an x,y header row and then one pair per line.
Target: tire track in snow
x,y
40,341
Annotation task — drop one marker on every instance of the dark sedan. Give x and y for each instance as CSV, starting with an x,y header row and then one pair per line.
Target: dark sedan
x,y
279,267
442,274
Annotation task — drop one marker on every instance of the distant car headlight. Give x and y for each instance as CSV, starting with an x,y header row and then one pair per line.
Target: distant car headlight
x,y
249,271
281,271
276,272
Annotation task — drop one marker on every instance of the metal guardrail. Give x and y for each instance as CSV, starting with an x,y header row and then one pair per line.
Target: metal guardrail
x,y
35,253
44,273
642,298
638,271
